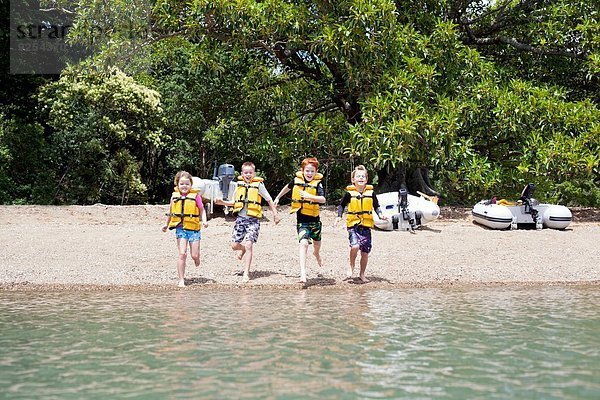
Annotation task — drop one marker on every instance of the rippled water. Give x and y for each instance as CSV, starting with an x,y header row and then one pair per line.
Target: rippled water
x,y
487,343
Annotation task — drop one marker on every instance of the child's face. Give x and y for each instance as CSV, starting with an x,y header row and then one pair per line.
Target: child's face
x,y
360,178
184,185
248,174
309,172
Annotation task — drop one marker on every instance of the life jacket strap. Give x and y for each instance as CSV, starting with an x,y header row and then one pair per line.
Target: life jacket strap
x,y
305,201
182,215
360,212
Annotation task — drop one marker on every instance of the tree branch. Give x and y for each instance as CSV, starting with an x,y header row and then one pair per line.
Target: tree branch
x,y
317,110
521,46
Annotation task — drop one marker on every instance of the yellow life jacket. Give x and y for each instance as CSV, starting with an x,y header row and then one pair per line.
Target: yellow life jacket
x,y
360,208
184,209
247,194
306,207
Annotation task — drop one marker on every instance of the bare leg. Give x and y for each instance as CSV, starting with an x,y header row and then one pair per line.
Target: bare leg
x,y
249,249
195,252
316,252
182,248
238,247
364,259
353,254
302,251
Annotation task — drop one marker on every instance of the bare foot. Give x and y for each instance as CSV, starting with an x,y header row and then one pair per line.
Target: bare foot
x,y
319,260
197,264
241,253
349,273
245,278
181,283
363,279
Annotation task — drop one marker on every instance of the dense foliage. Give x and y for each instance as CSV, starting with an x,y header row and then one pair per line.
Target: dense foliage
x,y
486,95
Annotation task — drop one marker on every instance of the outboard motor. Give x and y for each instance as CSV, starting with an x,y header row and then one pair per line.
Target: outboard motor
x,y
224,175
403,207
528,201
527,192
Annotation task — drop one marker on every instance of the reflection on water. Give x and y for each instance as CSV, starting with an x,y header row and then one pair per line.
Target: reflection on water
x,y
414,343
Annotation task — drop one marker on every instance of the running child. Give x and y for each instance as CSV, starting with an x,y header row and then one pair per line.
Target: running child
x,y
249,193
307,194
185,213
361,202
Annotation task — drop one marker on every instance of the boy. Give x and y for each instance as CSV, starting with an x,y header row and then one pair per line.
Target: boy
x,y
307,194
247,205
361,202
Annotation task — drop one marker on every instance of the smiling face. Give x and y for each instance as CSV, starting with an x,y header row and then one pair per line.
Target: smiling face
x,y
248,173
360,178
309,172
184,185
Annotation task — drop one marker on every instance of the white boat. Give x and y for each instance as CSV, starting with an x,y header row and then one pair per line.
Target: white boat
x,y
221,186
404,211
504,214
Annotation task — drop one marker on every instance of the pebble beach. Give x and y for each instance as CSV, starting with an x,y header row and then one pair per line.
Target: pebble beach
x,y
122,247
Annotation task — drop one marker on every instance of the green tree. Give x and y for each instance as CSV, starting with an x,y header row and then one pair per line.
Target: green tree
x,y
474,90
107,134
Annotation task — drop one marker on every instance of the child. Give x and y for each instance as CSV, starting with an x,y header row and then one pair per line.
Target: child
x,y
186,211
307,194
247,204
361,202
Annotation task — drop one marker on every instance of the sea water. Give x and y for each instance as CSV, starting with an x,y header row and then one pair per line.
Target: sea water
x,y
476,343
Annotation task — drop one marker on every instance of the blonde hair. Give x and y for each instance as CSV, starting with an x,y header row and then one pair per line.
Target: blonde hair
x,y
183,174
359,168
249,164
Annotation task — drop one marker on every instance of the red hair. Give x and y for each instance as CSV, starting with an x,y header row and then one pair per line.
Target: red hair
x,y
312,161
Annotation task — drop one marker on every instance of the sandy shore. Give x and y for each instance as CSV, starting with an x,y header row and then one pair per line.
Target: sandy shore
x,y
122,247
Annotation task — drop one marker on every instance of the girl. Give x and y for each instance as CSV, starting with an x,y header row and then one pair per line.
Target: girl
x,y
186,211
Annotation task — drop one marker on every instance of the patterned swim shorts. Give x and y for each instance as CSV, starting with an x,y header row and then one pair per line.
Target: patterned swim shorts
x,y
309,230
190,236
245,229
360,236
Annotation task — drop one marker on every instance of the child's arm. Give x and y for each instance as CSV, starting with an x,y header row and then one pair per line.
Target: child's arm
x,y
262,191
222,202
341,206
318,198
282,193
273,207
204,220
166,226
200,205
378,209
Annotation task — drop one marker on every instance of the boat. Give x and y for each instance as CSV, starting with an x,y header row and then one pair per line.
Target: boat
x,y
221,186
503,214
405,212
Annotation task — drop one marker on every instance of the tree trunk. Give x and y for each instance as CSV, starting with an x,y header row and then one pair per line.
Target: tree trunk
x,y
414,180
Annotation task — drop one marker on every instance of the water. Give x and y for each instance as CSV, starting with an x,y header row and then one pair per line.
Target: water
x,y
488,343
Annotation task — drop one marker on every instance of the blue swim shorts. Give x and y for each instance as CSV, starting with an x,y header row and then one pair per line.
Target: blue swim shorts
x,y
360,236
190,236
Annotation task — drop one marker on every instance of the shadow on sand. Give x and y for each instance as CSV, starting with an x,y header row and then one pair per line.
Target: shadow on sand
x,y
198,281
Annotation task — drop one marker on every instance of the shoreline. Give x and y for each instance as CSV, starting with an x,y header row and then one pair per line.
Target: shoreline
x,y
121,248
340,286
